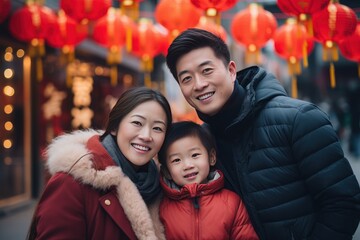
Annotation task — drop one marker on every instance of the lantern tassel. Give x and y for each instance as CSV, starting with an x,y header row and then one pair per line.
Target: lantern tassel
x,y
294,91
68,76
113,75
147,79
39,69
332,75
305,55
128,36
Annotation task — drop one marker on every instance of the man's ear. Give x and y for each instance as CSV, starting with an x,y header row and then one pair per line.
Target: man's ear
x,y
232,70
212,157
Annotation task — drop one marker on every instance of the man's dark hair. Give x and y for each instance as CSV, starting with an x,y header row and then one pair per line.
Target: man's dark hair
x,y
191,39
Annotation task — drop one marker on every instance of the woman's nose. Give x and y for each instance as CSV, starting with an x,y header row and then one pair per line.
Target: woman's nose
x,y
146,135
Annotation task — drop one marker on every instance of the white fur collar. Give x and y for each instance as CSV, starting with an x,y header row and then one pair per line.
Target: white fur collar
x,y
68,153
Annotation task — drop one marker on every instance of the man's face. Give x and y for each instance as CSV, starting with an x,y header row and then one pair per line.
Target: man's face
x,y
205,81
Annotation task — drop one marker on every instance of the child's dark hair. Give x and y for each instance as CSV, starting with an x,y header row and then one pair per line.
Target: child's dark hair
x,y
195,38
183,129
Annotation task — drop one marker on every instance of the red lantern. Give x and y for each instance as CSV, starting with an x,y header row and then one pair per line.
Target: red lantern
x,y
331,25
206,24
146,41
350,47
253,27
5,8
85,10
213,8
65,31
31,24
110,32
177,16
164,38
291,42
303,10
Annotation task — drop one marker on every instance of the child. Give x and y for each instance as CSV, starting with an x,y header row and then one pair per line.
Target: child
x,y
104,185
195,204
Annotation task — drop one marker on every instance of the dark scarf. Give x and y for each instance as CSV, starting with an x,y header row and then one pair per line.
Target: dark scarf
x,y
147,182
231,110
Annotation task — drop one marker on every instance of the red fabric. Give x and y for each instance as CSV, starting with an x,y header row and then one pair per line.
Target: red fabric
x,y
71,210
221,213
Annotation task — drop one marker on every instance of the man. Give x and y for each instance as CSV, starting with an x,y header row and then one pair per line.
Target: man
x,y
281,155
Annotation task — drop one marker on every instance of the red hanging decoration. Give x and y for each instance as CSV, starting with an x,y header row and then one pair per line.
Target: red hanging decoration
x,y
85,10
303,10
110,32
146,46
65,32
253,27
177,16
5,7
31,24
206,24
164,38
292,43
350,46
213,8
331,25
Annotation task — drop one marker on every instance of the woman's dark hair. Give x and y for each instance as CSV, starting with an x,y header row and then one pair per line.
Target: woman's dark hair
x,y
183,129
191,39
129,100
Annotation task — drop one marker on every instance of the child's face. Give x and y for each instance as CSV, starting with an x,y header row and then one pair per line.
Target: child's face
x,y
142,132
188,161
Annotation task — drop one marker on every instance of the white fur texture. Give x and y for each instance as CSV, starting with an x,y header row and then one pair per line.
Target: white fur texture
x,y
68,153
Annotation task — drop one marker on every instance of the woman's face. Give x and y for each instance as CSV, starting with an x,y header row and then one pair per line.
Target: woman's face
x,y
141,133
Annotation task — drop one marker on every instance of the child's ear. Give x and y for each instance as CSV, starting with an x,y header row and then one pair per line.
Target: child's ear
x,y
164,171
212,157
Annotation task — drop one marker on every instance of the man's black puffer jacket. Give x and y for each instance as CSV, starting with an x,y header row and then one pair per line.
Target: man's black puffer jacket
x,y
282,156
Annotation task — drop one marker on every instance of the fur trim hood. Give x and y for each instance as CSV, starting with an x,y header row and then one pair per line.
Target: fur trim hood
x,y
69,153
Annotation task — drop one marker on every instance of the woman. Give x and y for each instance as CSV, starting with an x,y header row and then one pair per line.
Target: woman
x,y
106,186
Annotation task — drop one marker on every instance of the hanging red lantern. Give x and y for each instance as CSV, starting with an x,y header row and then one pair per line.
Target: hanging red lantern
x,y
145,44
176,16
130,8
31,24
65,32
206,24
253,27
164,38
303,10
331,25
350,47
292,43
110,32
85,10
213,8
5,7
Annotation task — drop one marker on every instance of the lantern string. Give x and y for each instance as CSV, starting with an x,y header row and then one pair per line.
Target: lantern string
x,y
332,75
305,54
113,74
294,91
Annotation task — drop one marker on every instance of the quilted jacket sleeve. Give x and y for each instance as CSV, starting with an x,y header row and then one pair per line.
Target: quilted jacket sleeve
x,y
328,174
243,228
